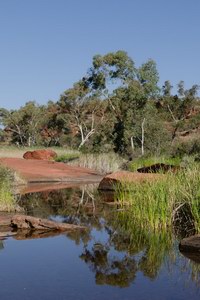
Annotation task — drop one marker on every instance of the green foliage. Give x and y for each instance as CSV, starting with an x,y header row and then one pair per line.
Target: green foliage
x,y
67,157
114,107
166,89
23,125
149,77
189,147
114,65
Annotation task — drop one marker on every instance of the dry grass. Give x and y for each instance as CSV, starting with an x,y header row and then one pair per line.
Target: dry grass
x,y
103,163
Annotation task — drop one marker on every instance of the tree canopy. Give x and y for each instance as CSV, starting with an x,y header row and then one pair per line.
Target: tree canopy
x,y
115,106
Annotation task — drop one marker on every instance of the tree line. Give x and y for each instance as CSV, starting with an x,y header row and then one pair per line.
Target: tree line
x,y
114,107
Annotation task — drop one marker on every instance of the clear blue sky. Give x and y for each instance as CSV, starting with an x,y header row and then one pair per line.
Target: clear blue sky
x,y
47,45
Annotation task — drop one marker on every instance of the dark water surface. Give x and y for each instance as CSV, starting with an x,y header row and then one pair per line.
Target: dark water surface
x,y
111,260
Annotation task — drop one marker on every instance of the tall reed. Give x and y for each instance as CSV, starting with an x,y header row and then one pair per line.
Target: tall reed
x,y
157,203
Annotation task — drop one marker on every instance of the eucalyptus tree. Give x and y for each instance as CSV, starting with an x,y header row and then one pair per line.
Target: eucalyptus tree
x,y
81,111
127,90
23,125
148,76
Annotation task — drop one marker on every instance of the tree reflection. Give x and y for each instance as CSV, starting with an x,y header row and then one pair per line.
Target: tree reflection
x,y
125,245
1,245
109,269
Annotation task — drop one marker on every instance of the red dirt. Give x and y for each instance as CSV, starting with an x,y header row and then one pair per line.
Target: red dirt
x,y
49,171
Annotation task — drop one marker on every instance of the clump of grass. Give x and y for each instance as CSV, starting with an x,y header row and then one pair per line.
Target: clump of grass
x,y
156,204
7,199
67,157
103,163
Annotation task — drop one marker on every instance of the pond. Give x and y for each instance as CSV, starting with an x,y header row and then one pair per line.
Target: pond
x,y
113,259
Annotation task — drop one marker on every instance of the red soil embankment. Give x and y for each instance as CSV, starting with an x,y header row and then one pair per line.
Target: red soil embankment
x,y
48,171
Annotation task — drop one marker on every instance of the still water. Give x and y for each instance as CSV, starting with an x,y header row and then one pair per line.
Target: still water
x,y
111,260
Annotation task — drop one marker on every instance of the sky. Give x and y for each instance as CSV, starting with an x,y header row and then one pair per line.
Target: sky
x,y
47,45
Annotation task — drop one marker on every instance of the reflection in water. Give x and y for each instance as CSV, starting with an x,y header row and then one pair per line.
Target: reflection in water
x,y
114,247
1,245
109,269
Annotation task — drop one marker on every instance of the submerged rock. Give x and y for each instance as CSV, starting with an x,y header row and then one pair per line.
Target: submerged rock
x,y
40,154
190,244
195,257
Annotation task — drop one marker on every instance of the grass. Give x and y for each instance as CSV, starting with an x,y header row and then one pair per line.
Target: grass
x,y
103,163
67,157
7,199
151,249
165,202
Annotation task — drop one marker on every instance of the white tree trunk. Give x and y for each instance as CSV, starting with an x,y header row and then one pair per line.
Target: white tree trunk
x,y
132,144
142,140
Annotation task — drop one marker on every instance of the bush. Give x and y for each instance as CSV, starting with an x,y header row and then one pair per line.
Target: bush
x,y
190,147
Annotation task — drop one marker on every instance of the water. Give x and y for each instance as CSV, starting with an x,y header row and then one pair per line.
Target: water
x,y
108,261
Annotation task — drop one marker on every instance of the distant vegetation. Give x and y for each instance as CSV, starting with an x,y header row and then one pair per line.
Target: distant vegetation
x,y
115,107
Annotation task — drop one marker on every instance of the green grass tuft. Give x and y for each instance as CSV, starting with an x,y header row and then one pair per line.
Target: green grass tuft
x,y
67,157
165,202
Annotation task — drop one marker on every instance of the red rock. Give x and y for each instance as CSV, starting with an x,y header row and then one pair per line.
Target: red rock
x,y
109,181
43,171
190,244
32,223
40,154
159,167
